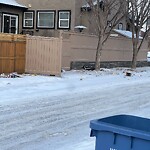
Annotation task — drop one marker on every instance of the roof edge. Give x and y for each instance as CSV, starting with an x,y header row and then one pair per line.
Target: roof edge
x,y
13,3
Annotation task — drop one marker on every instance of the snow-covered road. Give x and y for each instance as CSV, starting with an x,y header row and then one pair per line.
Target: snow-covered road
x,y
50,113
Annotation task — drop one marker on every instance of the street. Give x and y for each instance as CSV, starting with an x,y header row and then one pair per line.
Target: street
x,y
61,121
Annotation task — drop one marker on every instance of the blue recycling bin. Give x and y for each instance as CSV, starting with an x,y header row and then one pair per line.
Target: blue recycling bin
x,y
121,132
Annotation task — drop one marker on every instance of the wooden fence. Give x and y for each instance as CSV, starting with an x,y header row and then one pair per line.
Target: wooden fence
x,y
43,55
47,55
12,53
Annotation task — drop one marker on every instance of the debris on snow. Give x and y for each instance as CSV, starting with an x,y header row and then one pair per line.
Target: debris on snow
x,y
128,74
62,70
89,67
11,75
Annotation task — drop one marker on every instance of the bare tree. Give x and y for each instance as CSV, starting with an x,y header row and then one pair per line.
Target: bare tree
x,y
137,18
106,15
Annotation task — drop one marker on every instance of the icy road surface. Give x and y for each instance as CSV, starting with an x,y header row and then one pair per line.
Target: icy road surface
x,y
50,113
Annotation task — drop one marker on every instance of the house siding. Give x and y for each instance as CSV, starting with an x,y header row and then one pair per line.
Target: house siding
x,y
88,19
13,11
51,5
74,6
78,13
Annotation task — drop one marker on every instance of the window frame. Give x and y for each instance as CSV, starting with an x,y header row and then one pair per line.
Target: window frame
x,y
45,11
10,15
148,21
33,19
69,20
121,25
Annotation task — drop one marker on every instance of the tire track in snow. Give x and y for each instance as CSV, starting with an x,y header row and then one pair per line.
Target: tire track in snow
x,y
48,119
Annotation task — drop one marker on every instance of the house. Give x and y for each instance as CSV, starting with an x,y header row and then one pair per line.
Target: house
x,y
39,17
46,17
88,18
11,16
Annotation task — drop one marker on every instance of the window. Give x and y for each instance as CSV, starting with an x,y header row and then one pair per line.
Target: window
x,y
28,21
64,19
10,23
46,19
148,22
120,26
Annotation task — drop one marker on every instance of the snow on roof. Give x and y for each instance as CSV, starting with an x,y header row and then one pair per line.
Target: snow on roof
x,y
125,33
11,3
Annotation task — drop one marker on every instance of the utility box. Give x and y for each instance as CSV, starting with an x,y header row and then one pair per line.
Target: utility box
x,y
121,132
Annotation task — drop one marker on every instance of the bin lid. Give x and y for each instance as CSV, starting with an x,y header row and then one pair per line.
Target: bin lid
x,y
124,124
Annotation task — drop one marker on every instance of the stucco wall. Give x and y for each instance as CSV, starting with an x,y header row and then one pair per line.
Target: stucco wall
x,y
82,47
14,11
88,19
78,13
77,16
50,5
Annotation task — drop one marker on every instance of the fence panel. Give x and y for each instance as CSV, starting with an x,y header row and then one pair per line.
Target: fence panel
x,y
20,51
12,53
78,47
43,55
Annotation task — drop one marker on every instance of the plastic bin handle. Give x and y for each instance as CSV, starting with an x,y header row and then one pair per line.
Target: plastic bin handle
x,y
132,142
93,133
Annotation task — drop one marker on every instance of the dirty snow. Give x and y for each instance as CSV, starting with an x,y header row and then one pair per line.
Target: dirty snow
x,y
53,113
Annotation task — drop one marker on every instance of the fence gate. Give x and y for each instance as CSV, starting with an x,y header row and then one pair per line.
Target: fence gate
x,y
12,53
43,55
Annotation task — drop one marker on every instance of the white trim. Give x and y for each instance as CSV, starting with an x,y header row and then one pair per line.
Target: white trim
x,y
120,26
10,22
32,19
68,20
48,12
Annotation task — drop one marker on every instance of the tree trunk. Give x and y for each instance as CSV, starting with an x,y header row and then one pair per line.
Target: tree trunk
x,y
134,61
134,57
98,54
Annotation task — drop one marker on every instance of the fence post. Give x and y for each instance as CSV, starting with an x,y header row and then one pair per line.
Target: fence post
x,y
14,43
61,42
